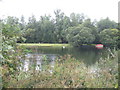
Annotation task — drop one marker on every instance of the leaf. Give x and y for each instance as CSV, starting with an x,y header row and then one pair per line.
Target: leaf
x,y
116,86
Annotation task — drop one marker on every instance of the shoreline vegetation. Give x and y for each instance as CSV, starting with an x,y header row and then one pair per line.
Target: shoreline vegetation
x,y
70,73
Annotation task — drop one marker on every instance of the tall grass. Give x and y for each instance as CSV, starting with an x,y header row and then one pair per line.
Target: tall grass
x,y
71,73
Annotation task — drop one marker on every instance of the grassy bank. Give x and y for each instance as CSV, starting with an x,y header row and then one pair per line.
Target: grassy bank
x,y
71,73
43,45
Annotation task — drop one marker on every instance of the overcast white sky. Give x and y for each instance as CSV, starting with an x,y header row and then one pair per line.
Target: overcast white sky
x,y
94,9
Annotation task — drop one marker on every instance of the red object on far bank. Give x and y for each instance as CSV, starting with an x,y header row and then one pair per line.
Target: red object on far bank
x,y
99,46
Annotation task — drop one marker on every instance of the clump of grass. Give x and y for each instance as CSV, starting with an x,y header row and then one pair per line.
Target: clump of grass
x,y
71,73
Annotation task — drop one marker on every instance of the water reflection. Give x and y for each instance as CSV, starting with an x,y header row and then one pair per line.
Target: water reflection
x,y
36,61
40,56
38,65
26,65
88,54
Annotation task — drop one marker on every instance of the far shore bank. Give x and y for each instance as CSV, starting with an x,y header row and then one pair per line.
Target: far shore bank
x,y
63,45
44,45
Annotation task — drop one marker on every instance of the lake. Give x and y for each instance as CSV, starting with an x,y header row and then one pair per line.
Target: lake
x,y
39,55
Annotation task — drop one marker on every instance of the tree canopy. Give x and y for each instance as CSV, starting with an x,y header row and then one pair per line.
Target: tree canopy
x,y
75,29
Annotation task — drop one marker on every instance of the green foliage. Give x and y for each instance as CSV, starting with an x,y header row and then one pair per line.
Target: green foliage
x,y
50,30
71,73
109,37
76,19
61,29
80,35
42,30
106,24
10,50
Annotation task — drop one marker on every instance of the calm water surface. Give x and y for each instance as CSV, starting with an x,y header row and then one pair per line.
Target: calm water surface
x,y
40,55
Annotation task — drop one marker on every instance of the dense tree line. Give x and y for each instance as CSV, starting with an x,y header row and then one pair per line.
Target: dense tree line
x,y
75,29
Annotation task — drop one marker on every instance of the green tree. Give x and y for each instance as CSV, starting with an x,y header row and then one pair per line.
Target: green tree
x,y
47,29
66,24
76,19
106,24
32,24
12,20
80,35
22,22
109,37
59,18
94,31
